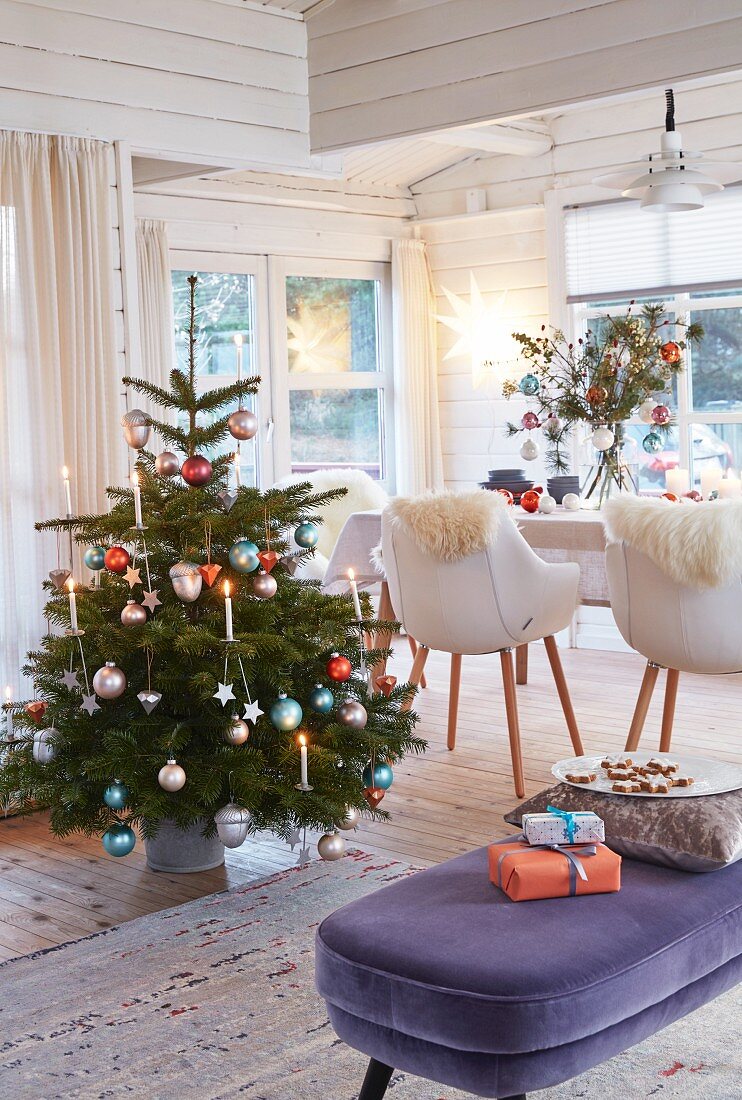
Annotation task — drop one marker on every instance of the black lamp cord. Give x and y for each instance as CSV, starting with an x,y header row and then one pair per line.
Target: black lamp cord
x,y
670,116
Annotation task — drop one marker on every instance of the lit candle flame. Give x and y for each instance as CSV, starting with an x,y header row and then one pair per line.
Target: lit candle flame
x,y
302,738
8,694
351,575
134,477
70,582
226,589
65,473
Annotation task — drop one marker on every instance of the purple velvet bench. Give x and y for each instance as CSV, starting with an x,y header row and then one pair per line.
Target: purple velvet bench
x,y
443,976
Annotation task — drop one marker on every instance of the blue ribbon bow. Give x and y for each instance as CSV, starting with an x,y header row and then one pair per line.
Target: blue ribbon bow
x,y
569,821
575,863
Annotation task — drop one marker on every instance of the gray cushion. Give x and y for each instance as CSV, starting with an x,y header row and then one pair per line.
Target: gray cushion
x,y
690,834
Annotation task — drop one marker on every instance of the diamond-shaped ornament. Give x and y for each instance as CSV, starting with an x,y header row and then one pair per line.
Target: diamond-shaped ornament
x,y
268,559
373,795
59,577
385,684
290,565
227,500
149,700
37,710
209,573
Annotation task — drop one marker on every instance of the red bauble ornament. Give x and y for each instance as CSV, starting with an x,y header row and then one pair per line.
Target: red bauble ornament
x,y
670,352
596,395
529,420
529,501
196,470
670,496
661,415
537,489
507,494
338,668
117,559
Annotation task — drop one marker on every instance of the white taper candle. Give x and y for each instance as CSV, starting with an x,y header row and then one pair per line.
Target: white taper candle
x,y
73,603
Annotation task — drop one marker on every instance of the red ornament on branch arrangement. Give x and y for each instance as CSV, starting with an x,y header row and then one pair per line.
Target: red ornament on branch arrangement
x,y
529,501
196,471
670,352
117,559
338,668
596,395
529,421
661,415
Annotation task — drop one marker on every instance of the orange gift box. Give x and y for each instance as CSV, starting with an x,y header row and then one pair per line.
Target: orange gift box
x,y
527,872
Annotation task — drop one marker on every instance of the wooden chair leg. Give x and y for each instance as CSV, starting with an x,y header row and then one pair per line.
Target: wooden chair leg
x,y
376,1081
668,710
521,664
413,650
382,640
511,708
642,706
552,652
417,670
453,698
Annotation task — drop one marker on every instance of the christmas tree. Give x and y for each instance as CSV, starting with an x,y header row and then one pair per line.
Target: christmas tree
x,y
197,672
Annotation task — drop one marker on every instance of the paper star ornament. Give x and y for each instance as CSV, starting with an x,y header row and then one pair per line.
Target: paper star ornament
x,y
224,693
132,576
252,711
150,599
89,704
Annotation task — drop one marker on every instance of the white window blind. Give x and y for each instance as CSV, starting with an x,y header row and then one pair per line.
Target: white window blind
x,y
616,247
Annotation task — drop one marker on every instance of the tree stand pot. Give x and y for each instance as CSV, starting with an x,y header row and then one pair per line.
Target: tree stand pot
x,y
183,851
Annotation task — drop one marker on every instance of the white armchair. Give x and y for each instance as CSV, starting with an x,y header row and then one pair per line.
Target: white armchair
x,y
489,601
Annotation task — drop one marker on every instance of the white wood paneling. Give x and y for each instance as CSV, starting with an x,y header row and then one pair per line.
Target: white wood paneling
x,y
196,81
461,62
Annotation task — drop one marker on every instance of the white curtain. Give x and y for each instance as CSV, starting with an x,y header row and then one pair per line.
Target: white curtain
x,y
418,436
156,323
59,377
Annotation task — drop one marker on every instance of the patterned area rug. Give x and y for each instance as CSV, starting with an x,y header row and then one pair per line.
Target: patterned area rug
x,y
215,999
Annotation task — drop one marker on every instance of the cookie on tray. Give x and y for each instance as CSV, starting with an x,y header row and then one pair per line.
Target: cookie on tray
x,y
581,777
626,786
678,780
655,784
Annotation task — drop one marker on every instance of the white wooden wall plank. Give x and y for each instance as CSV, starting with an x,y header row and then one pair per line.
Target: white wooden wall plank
x,y
354,13
198,236
488,250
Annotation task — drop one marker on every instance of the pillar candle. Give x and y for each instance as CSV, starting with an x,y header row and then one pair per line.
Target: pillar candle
x,y
730,486
677,481
710,480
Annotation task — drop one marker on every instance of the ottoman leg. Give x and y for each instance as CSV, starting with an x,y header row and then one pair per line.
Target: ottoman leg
x,y
376,1080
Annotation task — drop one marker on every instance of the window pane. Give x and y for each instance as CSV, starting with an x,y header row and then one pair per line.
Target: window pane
x,y
224,305
336,428
652,467
715,447
717,361
332,324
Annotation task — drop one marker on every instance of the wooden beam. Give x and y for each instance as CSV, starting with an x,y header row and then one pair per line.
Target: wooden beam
x,y
496,139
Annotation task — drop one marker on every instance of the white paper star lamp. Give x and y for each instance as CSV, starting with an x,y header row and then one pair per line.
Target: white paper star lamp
x,y
484,334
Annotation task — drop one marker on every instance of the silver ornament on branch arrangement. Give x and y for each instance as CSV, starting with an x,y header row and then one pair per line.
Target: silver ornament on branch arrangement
x,y
171,776
243,424
530,450
109,682
352,713
133,614
237,733
232,823
167,464
331,846
137,426
264,586
350,821
44,749
187,581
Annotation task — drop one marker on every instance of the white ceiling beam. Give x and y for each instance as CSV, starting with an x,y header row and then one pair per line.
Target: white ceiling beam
x,y
512,140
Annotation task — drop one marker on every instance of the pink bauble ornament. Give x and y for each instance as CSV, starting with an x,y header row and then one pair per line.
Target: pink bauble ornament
x,y
529,420
196,470
661,415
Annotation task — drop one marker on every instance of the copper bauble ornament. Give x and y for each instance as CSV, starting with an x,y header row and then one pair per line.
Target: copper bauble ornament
x,y
529,501
44,747
232,823
117,559
109,682
352,713
243,424
171,776
264,586
670,352
237,733
137,426
373,795
133,614
338,668
167,464
350,820
330,847
596,395
196,470
661,415
187,581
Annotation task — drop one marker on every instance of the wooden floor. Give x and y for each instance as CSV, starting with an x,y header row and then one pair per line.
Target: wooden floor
x,y
441,803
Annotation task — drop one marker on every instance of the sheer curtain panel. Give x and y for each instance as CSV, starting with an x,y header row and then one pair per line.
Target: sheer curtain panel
x,y
155,303
418,435
59,378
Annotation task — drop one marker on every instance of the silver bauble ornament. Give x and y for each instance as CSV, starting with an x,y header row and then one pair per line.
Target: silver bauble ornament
x,y
571,502
243,424
646,409
331,846
237,733
546,504
171,776
352,713
44,750
187,580
133,614
232,823
602,439
530,450
264,586
167,464
137,426
109,682
350,821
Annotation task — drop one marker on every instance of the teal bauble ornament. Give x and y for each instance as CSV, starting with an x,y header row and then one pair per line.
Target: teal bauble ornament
x,y
116,796
321,699
382,776
119,840
95,558
286,714
243,556
529,385
306,535
652,443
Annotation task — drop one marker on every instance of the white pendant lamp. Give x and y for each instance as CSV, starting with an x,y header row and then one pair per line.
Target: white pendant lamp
x,y
673,179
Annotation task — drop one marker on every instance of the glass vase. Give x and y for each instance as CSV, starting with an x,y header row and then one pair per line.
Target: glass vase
x,y
607,474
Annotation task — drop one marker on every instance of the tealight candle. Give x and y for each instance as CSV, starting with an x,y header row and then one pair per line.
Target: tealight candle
x,y
354,594
228,611
137,499
67,493
73,604
710,480
677,481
